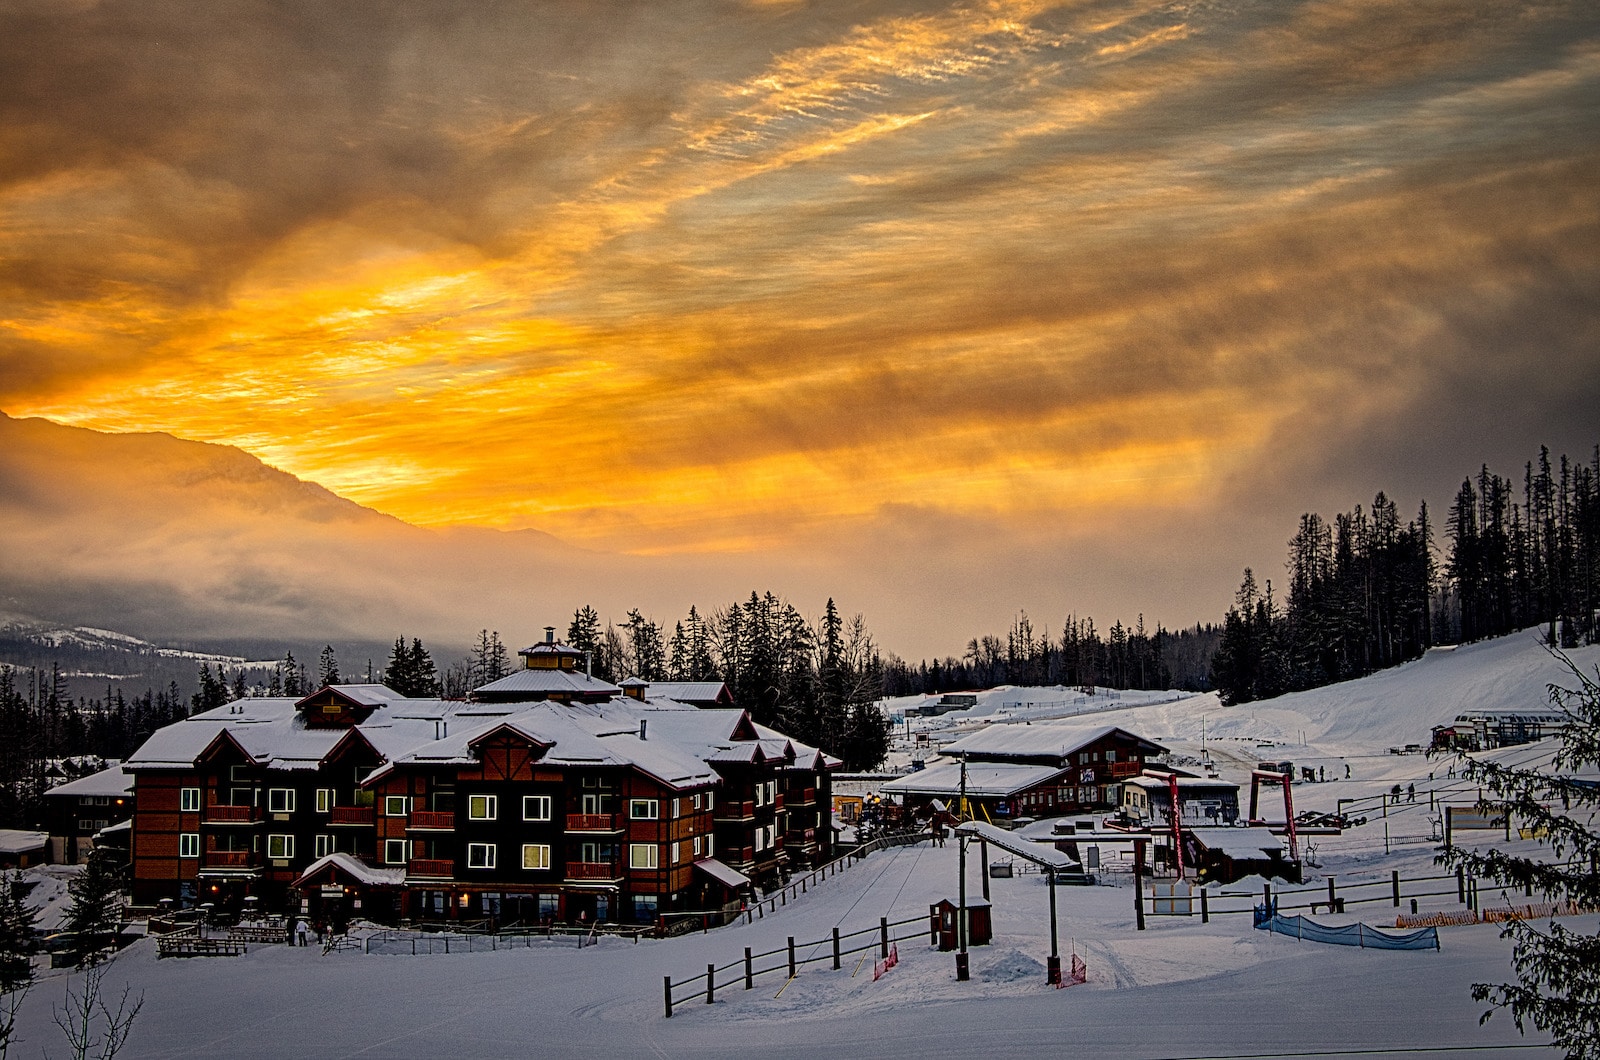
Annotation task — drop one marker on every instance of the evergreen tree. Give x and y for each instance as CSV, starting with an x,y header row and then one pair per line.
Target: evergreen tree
x,y
293,677
327,668
1558,969
17,923
96,901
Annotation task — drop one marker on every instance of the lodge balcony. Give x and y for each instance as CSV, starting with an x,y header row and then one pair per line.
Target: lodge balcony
x,y
803,797
734,811
351,815
218,813
227,859
431,868
594,822
803,838
740,859
1126,769
777,802
431,820
593,871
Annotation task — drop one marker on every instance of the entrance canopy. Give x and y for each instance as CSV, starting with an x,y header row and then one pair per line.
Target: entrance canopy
x,y
342,868
730,878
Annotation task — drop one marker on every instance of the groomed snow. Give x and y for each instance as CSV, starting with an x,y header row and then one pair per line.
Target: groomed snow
x,y
1179,989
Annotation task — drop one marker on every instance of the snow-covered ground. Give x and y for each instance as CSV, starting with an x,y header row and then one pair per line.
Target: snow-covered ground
x,y
1179,989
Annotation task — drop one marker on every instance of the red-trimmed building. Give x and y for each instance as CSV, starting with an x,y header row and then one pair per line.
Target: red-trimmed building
x,y
573,802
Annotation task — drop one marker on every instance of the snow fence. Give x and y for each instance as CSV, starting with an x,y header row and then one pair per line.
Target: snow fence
x,y
1368,938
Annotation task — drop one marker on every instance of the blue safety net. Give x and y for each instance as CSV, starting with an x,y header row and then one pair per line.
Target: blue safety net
x,y
1369,938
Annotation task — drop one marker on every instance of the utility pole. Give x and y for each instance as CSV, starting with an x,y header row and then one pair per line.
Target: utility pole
x,y
961,889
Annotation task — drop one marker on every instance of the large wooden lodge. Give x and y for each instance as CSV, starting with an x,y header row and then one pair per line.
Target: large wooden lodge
x,y
548,796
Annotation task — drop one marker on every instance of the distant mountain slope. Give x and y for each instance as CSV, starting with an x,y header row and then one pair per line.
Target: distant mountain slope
x,y
176,540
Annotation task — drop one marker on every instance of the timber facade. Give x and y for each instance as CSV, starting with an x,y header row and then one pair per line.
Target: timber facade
x,y
576,804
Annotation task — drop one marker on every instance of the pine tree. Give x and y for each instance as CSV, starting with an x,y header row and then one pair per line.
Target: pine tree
x,y
1558,970
424,674
16,934
293,676
96,902
327,668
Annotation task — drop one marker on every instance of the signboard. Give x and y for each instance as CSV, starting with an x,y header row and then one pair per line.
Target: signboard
x,y
332,890
1086,776
1171,899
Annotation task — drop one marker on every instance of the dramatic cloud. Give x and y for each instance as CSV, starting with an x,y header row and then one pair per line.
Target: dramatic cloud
x,y
978,306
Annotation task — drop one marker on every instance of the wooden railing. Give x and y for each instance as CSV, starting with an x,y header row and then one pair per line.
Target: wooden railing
x,y
1126,769
232,813
592,870
350,815
805,796
432,819
734,811
591,822
777,802
227,859
430,867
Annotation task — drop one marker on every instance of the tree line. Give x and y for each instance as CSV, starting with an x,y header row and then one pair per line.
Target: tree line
x,y
1367,592
1081,657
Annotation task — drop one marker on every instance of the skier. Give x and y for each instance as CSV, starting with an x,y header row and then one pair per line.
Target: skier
x,y
1347,771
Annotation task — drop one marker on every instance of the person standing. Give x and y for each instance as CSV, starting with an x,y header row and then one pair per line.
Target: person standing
x,y
302,932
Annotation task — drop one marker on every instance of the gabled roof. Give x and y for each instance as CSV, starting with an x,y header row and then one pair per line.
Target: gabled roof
x,y
535,683
354,868
360,695
1045,739
984,779
115,782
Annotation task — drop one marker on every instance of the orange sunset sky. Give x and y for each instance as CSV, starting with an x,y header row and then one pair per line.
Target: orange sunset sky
x,y
945,309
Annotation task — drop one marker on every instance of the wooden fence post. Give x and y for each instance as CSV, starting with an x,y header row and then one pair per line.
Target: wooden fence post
x,y
791,956
711,985
1394,876
749,974
883,937
836,947
1205,909
667,982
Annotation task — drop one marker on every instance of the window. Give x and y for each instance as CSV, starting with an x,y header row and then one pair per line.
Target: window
x,y
677,809
536,808
709,800
239,774
676,854
394,805
483,808
535,855
644,907
324,800
395,851
697,800
761,790
189,800
643,809
759,838
280,847
280,800
642,855
480,855
1111,756
697,845
709,844
772,791
188,844
324,845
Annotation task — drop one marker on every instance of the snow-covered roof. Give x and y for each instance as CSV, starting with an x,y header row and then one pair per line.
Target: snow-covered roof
x,y
1194,784
547,682
729,877
355,869
1055,739
688,691
1239,843
17,841
1038,853
984,779
365,695
115,782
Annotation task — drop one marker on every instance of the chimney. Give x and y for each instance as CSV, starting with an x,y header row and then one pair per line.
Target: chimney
x,y
642,723
549,634
588,664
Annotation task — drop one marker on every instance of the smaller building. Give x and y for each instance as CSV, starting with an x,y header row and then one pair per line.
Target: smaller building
x,y
21,849
1202,801
1223,855
79,809
1483,730
942,919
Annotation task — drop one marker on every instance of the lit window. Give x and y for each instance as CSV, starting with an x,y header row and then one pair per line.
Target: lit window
x,y
480,855
280,847
483,808
188,844
394,805
643,809
280,800
189,800
536,808
395,851
324,800
642,855
535,855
